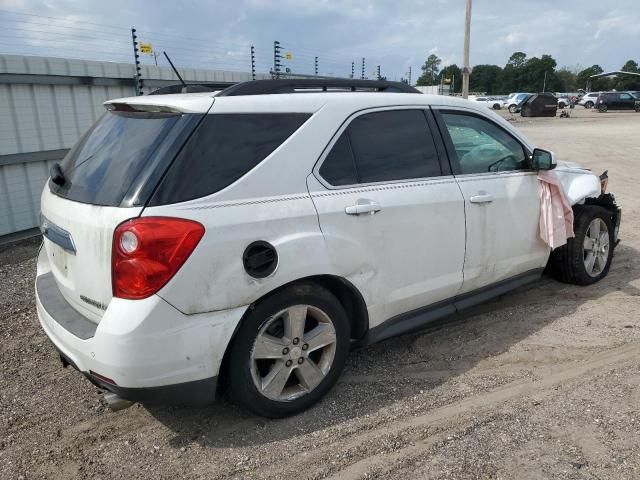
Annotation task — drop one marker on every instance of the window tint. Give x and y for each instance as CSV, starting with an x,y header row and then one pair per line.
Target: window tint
x,y
339,167
393,145
625,96
101,168
482,146
222,149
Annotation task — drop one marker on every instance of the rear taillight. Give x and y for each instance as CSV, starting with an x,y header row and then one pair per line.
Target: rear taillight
x,y
147,252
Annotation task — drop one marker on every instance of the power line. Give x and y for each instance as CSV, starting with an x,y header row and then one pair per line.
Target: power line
x,y
62,19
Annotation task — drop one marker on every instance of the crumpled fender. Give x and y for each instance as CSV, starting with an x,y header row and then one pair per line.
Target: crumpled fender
x,y
578,183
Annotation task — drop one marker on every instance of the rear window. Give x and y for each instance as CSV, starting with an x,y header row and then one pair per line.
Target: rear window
x,y
222,149
115,154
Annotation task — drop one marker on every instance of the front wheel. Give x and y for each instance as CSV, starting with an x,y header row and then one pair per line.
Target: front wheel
x,y
289,351
512,109
586,258
561,105
588,105
602,108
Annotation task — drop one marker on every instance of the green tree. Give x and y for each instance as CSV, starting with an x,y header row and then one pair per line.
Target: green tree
x,y
583,79
628,82
566,79
517,59
487,79
513,73
538,74
430,71
451,73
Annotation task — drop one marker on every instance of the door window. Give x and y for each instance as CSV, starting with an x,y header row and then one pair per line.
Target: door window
x,y
381,147
481,146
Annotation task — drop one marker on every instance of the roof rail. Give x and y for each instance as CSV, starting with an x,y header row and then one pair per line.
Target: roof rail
x,y
262,87
190,88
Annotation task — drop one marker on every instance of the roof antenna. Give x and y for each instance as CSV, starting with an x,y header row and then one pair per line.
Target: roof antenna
x,y
184,85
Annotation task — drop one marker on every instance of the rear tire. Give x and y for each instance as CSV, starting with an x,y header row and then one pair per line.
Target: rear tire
x,y
276,366
561,105
588,105
582,261
602,108
637,107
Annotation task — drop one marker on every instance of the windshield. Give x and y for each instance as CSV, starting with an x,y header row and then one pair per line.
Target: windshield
x,y
119,150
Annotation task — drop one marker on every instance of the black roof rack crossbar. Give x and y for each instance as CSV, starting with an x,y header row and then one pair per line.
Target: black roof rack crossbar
x,y
262,87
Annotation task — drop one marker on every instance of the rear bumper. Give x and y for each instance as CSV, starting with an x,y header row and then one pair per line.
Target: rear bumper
x,y
198,393
150,352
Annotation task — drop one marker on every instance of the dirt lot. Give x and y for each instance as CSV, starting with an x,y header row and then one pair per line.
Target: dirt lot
x,y
542,383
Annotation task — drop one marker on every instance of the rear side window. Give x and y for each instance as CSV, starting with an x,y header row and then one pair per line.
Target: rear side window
x,y
382,147
222,149
339,168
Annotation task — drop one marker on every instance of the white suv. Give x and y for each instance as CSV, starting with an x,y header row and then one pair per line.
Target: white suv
x,y
251,236
588,100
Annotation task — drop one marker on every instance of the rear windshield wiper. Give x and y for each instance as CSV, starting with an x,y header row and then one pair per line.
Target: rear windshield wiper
x,y
57,176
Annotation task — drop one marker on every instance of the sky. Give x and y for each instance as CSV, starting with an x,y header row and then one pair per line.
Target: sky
x,y
393,34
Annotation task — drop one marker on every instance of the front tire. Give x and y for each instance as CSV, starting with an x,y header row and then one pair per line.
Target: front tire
x,y
602,108
289,351
512,108
588,105
586,258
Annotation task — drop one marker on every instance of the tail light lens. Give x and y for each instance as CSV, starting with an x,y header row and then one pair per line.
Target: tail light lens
x,y
147,252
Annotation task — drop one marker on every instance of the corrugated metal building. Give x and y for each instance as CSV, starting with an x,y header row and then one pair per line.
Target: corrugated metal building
x,y
45,106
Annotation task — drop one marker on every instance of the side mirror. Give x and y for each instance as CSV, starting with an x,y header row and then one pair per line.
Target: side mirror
x,y
542,160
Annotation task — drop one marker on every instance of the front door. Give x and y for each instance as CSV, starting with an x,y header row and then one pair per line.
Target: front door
x,y
392,218
501,199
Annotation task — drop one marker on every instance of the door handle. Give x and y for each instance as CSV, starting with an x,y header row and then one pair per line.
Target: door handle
x,y
482,197
363,206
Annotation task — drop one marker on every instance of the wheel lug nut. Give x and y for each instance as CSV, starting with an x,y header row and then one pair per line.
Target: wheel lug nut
x,y
296,341
285,350
305,346
300,360
289,362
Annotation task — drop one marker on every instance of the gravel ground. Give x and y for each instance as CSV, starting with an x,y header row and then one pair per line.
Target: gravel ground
x,y
542,383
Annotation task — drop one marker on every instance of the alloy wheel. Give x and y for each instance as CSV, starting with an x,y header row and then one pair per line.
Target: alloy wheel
x,y
596,247
293,352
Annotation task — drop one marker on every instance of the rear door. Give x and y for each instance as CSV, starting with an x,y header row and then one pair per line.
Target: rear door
x,y
501,199
391,213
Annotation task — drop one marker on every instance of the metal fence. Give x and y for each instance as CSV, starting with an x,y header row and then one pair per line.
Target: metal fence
x,y
47,103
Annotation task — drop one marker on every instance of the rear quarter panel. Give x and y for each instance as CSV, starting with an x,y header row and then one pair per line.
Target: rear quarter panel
x,y
214,278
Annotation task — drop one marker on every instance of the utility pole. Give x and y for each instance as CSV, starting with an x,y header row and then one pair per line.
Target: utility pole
x,y
137,78
362,75
316,66
353,69
409,75
253,62
467,32
378,72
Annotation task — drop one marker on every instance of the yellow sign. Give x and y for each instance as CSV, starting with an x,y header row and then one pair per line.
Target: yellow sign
x,y
146,48
447,80
288,56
